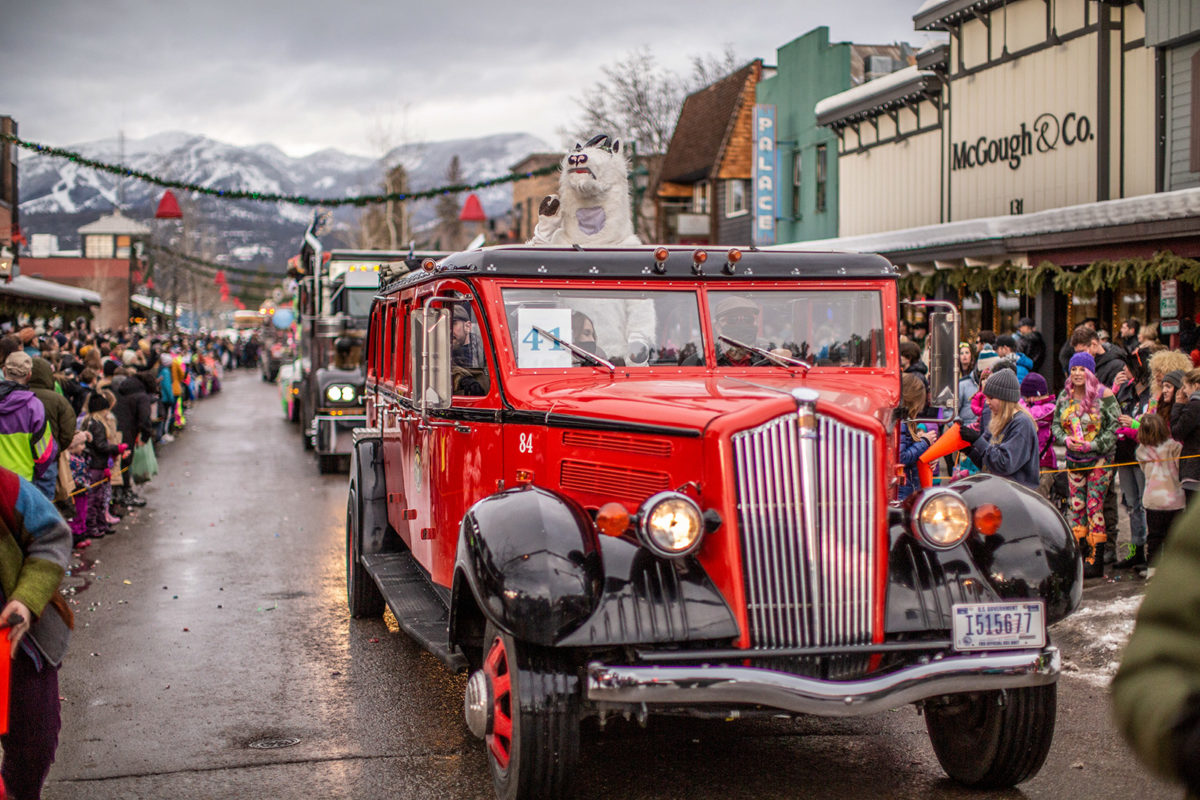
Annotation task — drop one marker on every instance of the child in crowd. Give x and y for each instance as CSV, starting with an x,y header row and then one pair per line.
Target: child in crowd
x,y
101,450
1037,400
78,458
1158,455
914,439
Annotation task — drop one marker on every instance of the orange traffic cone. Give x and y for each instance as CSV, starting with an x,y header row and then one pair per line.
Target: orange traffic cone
x,y
949,442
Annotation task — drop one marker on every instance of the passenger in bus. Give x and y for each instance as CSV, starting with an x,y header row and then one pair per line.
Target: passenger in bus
x,y
466,357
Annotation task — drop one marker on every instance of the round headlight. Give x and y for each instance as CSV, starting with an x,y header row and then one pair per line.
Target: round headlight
x,y
347,394
941,518
671,524
334,393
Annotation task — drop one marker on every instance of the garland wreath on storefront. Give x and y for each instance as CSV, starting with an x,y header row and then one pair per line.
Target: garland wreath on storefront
x,y
1091,279
268,197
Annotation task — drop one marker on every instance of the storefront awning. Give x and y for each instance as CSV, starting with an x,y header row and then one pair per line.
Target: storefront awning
x,y
1015,234
49,291
900,88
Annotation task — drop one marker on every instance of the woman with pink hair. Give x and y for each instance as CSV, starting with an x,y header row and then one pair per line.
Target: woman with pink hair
x,y
1085,421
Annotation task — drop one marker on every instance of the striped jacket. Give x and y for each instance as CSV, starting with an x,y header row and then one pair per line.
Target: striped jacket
x,y
35,549
26,442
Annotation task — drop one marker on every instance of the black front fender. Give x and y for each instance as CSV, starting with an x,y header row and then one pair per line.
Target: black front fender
x,y
1032,556
532,560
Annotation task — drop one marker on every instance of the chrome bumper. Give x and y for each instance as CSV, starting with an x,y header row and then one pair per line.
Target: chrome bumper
x,y
696,685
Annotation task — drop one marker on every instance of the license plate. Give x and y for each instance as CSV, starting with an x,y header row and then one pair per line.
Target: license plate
x,y
999,626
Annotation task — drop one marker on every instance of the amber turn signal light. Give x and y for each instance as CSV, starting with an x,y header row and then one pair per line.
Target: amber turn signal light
x,y
612,519
988,519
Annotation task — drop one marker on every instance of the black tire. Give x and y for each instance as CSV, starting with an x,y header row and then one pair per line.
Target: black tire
x,y
362,595
305,425
536,698
993,740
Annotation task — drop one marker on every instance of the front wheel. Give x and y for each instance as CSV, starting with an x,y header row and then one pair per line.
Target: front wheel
x,y
993,740
362,595
533,734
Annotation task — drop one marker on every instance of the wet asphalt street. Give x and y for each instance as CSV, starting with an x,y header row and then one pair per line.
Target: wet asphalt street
x,y
216,619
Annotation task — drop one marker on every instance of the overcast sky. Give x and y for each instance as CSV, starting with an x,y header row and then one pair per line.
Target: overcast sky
x,y
365,76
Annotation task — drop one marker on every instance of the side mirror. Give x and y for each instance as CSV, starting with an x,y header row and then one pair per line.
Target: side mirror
x,y
942,342
431,357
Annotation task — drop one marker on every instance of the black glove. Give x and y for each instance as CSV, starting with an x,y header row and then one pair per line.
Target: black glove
x,y
969,435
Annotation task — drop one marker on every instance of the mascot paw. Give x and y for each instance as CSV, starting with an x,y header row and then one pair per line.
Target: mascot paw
x,y
549,206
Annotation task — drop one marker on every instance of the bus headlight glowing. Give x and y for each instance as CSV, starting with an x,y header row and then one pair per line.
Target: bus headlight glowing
x,y
671,525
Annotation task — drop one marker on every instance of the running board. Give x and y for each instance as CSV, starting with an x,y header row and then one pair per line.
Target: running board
x,y
420,611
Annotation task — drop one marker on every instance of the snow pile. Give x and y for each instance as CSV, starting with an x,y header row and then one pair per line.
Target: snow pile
x,y
1093,638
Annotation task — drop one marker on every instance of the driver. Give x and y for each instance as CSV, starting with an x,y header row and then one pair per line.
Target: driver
x,y
468,376
737,318
583,335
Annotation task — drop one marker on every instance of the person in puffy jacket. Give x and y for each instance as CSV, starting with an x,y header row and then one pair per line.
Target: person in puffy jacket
x,y
1156,691
134,411
101,450
1037,400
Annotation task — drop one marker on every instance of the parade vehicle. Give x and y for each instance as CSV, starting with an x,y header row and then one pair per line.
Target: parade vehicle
x,y
334,290
640,481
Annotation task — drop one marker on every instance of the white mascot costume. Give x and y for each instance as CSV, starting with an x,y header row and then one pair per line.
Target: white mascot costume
x,y
592,204
592,209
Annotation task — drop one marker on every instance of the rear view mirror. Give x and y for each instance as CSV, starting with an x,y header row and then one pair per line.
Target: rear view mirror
x,y
943,359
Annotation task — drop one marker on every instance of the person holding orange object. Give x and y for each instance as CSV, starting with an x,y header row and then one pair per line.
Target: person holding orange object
x,y
1008,447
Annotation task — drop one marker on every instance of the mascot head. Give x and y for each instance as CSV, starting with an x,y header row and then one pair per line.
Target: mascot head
x,y
591,170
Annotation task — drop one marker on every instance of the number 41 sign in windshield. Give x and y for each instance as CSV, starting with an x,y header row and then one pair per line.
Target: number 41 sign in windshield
x,y
536,350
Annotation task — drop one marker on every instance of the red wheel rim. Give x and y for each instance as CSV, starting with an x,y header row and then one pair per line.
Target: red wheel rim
x,y
495,667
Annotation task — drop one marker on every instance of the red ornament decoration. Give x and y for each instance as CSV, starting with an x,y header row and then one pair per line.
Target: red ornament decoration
x,y
472,210
168,207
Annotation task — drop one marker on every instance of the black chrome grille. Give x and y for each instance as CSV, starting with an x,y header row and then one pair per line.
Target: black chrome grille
x,y
807,587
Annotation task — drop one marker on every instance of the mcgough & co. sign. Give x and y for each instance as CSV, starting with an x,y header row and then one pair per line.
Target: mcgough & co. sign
x,y
1045,135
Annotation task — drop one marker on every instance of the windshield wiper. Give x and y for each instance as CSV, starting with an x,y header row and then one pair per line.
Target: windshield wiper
x,y
773,358
579,351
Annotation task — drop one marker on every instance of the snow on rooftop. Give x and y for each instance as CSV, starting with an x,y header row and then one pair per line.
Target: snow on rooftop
x,y
116,223
1181,204
868,89
928,4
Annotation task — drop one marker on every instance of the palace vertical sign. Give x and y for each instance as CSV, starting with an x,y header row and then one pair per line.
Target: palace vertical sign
x,y
766,168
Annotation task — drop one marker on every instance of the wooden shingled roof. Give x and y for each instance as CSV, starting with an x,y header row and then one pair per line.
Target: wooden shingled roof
x,y
706,124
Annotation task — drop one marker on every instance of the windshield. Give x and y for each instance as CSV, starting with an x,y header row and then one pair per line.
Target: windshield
x,y
626,327
358,302
823,328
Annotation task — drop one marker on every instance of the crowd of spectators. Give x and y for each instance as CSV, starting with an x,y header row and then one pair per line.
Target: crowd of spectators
x,y
1090,443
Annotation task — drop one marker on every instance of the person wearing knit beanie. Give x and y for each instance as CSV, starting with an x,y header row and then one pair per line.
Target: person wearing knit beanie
x,y
1082,359
1003,385
1034,385
1008,445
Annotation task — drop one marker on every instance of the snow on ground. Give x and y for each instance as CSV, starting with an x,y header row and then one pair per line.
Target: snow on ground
x,y
1093,638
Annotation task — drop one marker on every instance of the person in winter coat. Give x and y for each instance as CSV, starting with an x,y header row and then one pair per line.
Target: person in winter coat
x,y
1156,691
967,386
1085,421
1037,400
134,412
1109,358
1185,428
61,418
26,442
1008,447
1006,347
1133,397
1158,456
914,440
35,549
1032,343
101,448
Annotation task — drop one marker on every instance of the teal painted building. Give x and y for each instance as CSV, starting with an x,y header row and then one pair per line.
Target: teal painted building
x,y
809,69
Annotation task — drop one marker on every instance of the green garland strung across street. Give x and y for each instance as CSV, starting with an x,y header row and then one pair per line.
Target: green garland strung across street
x,y
269,197
1096,276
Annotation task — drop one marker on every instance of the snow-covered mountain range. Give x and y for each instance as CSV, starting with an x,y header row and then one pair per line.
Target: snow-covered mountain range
x,y
58,196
